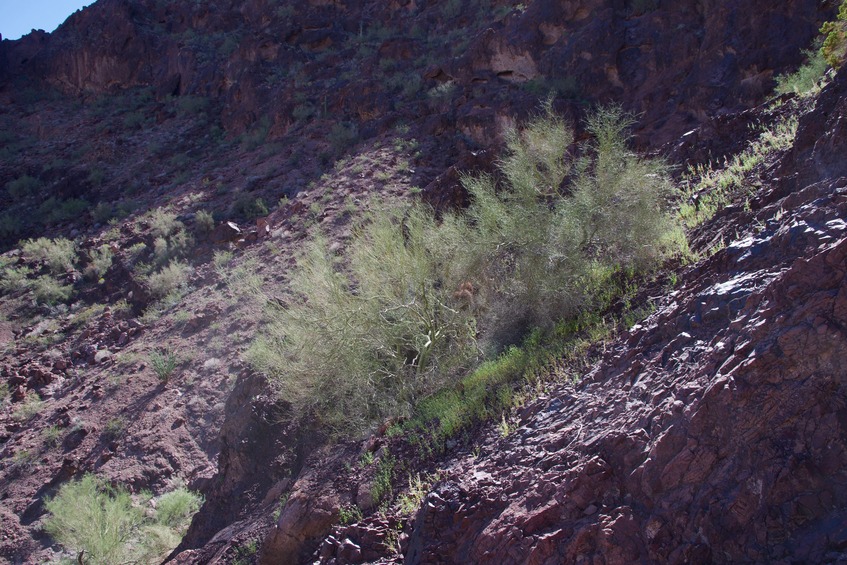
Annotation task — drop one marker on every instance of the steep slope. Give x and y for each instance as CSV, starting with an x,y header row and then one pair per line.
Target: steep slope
x,y
709,432
191,108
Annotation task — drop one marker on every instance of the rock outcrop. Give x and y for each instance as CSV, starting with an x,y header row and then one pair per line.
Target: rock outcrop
x,y
673,63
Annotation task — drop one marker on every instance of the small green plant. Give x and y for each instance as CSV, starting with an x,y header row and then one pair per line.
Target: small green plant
x,y
204,222
283,500
366,459
15,279
163,223
834,48
222,259
54,210
175,509
349,514
25,458
715,187
28,407
249,207
48,290
343,135
164,363
93,519
103,212
419,486
807,79
381,488
99,263
114,428
505,426
51,435
171,278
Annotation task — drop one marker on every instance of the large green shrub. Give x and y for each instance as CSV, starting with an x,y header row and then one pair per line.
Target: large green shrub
x,y
91,517
403,313
103,525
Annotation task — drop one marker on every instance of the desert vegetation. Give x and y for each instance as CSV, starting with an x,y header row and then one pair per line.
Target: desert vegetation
x,y
103,524
418,301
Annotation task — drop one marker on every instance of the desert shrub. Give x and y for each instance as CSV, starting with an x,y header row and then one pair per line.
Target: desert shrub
x,y
834,48
59,254
175,509
102,525
99,263
170,278
103,212
48,290
11,225
28,407
53,210
14,279
403,314
22,186
806,79
246,206
92,517
204,222
352,355
343,135
539,256
163,223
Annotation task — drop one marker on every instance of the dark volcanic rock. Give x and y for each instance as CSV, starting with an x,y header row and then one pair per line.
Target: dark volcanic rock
x,y
673,63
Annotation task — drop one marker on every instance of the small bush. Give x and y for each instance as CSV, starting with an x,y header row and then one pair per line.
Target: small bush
x,y
22,187
11,225
102,526
103,212
807,79
172,277
15,279
114,428
99,263
834,48
164,363
54,211
204,222
248,207
90,516
48,290
175,509
28,407
163,223
343,135
59,254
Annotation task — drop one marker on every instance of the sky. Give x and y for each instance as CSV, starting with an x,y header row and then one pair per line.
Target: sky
x,y
19,17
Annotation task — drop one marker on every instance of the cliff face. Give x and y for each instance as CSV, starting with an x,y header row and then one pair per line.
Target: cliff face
x,y
674,63
710,431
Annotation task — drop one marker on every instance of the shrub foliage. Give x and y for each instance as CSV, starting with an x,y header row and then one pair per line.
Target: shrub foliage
x,y
103,525
416,301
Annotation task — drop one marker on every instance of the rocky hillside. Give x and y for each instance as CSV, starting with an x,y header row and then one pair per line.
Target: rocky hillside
x,y
187,150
